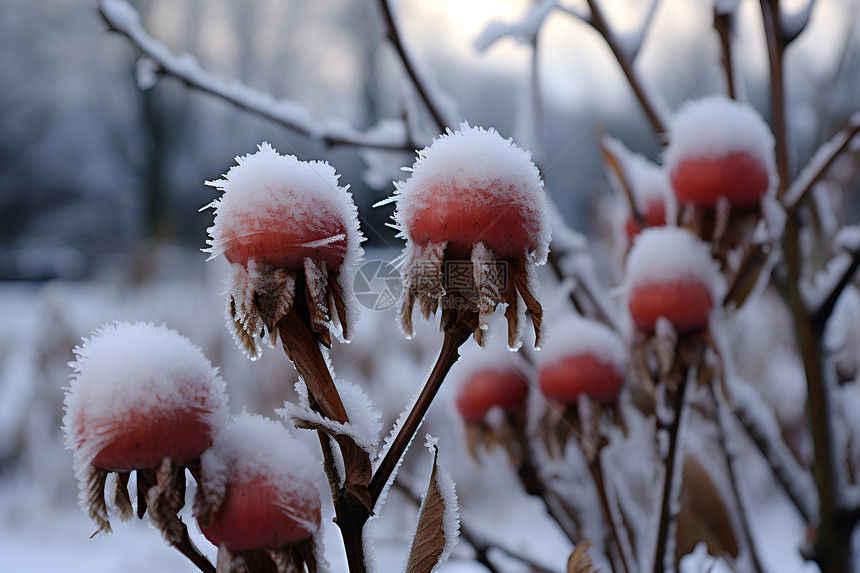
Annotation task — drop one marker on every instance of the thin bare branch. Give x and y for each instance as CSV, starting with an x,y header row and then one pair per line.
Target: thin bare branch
x,y
731,462
823,312
724,24
124,19
455,336
775,49
625,55
819,163
780,460
425,91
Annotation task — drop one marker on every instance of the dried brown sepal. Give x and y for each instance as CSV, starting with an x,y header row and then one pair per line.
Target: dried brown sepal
x,y
165,498
316,294
588,412
422,283
665,345
121,497
295,558
337,306
580,560
482,436
228,563
96,480
722,218
556,426
524,278
489,284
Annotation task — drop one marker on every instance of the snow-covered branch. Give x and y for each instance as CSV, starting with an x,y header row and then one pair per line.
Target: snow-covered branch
x,y
124,19
818,164
794,24
524,30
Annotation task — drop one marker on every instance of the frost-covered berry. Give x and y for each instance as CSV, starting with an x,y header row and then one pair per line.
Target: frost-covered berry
x,y
488,388
671,274
474,217
653,214
257,488
140,393
285,224
582,357
720,148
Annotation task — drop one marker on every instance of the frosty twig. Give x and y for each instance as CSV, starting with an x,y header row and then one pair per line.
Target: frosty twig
x,y
122,18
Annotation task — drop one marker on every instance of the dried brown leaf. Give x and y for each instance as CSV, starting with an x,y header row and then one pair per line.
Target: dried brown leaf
x,y
703,515
580,561
430,541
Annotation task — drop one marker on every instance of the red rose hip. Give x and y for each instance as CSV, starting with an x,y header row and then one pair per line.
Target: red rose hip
x,y
582,357
720,148
141,393
487,388
258,488
671,274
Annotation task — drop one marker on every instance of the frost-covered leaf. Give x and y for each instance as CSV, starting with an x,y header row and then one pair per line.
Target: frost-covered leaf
x,y
438,521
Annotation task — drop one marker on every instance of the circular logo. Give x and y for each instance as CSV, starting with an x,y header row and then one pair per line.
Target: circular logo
x,y
377,285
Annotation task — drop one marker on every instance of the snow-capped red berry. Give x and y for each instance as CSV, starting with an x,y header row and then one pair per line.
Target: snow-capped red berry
x,y
286,227
257,488
582,357
484,389
141,393
720,148
473,186
280,210
671,274
654,215
474,204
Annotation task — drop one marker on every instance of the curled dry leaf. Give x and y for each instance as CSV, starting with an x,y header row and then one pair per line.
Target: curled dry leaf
x,y
580,561
434,537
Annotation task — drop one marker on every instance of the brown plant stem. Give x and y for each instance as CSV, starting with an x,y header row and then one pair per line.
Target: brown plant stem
x,y
833,541
676,399
722,435
457,327
724,24
598,21
766,446
534,484
351,502
393,34
596,468
775,49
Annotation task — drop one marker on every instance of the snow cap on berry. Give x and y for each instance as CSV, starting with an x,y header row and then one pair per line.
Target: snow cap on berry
x,y
666,254
287,228
266,192
473,207
140,367
476,172
572,335
716,126
139,393
255,451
